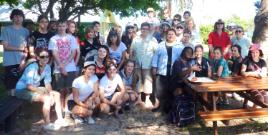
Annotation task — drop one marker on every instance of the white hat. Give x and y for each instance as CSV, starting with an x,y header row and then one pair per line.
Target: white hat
x,y
88,63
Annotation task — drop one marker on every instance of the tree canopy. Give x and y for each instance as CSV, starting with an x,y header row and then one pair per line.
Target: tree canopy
x,y
9,2
74,8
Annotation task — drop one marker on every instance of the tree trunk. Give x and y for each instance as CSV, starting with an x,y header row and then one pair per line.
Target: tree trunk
x,y
260,34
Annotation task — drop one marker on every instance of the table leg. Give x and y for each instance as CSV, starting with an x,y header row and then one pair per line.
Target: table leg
x,y
214,100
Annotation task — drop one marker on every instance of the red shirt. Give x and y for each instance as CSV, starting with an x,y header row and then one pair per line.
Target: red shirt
x,y
217,40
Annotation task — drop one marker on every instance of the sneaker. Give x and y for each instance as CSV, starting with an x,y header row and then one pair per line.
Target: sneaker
x,y
51,126
77,119
61,123
90,120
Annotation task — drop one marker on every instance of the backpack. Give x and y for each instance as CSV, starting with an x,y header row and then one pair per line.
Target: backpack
x,y
183,110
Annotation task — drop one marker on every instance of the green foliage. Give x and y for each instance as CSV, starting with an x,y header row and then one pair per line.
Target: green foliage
x,y
9,2
248,25
204,32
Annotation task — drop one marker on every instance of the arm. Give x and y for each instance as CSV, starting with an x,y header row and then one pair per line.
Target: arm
x,y
123,58
219,71
76,99
104,100
8,47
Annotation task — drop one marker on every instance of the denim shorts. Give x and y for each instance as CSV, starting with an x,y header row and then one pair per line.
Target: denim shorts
x,y
28,94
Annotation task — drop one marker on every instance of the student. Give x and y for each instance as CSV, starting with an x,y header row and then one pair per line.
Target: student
x,y
219,38
164,57
202,62
63,47
255,66
142,50
14,40
241,40
186,38
108,94
85,94
130,80
235,61
219,64
191,26
117,48
127,37
103,58
28,88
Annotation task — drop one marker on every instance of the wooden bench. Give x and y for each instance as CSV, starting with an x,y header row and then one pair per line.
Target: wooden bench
x,y
8,111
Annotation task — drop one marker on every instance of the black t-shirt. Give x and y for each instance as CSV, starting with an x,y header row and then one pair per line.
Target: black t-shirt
x,y
254,66
204,68
89,50
169,53
40,40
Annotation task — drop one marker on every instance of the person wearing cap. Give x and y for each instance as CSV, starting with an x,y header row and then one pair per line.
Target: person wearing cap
x,y
117,49
163,31
85,94
179,31
151,19
255,66
14,40
112,90
219,38
127,37
241,40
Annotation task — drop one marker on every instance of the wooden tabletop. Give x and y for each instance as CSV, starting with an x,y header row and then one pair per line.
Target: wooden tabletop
x,y
230,84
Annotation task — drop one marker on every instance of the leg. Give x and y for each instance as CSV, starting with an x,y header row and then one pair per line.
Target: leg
x,y
45,99
56,96
148,87
105,108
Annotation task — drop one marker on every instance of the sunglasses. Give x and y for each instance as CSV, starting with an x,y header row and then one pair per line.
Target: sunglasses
x,y
44,56
179,27
238,31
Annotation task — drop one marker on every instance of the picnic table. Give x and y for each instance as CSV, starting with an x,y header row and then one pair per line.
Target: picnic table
x,y
240,85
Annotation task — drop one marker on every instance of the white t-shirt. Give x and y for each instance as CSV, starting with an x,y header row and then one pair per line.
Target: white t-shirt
x,y
64,45
84,88
117,54
109,86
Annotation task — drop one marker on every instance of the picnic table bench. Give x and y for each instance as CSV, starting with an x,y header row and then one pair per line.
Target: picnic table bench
x,y
8,111
240,85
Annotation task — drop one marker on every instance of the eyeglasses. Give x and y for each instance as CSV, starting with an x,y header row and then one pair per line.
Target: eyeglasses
x,y
179,27
44,56
238,31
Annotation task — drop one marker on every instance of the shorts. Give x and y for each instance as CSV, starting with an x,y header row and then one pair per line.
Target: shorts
x,y
71,104
61,81
11,76
110,97
29,95
145,83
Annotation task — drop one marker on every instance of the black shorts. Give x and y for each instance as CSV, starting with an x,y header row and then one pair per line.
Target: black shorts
x,y
11,76
71,104
62,82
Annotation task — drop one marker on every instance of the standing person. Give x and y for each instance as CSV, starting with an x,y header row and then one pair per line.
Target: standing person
x,y
242,41
176,20
102,60
85,94
191,26
164,57
90,47
72,29
219,38
63,47
28,88
179,32
14,40
166,16
52,26
117,48
127,37
185,41
39,39
97,36
109,83
151,19
142,50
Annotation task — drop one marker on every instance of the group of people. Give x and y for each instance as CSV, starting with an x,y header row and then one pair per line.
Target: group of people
x,y
147,67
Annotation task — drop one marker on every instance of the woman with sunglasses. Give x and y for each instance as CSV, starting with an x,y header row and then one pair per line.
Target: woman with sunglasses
x,y
219,38
28,88
112,90
241,40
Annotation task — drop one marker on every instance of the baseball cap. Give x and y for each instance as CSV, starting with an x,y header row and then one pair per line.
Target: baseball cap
x,y
88,63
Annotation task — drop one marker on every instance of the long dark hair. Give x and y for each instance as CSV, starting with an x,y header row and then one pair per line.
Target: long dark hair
x,y
111,34
37,53
107,58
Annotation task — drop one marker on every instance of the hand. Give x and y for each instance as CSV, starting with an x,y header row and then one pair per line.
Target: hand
x,y
195,68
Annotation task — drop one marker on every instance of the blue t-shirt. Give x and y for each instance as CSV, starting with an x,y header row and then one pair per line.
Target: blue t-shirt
x,y
31,76
117,54
16,38
220,62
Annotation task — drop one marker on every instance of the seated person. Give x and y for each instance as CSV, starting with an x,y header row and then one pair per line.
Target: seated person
x,y
28,88
85,95
255,66
219,64
235,61
202,62
183,67
109,95
130,80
